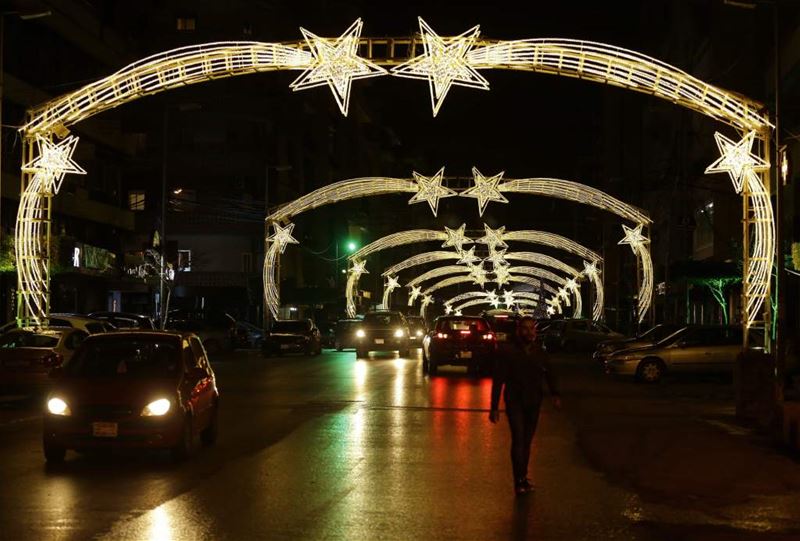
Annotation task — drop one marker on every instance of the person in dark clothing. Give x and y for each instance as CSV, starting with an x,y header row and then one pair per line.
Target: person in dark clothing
x,y
521,368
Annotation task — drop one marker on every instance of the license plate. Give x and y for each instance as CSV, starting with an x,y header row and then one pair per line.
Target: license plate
x,y
379,340
285,346
502,337
465,355
104,430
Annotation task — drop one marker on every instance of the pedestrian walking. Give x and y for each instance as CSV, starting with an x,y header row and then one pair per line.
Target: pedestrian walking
x,y
521,368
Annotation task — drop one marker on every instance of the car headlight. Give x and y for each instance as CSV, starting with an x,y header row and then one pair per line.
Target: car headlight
x,y
399,333
57,406
156,408
419,333
360,333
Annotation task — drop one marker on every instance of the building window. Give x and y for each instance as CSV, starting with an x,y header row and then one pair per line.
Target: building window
x,y
185,260
185,24
136,200
247,262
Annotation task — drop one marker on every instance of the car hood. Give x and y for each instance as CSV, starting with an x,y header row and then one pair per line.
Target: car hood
x,y
113,391
637,349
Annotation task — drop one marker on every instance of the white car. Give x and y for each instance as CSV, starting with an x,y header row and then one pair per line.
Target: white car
x,y
88,324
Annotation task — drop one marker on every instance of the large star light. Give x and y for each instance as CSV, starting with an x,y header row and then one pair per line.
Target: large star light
x,y
501,275
336,64
485,189
359,268
736,159
508,298
416,291
443,64
468,257
448,309
456,238
493,238
634,237
392,283
430,189
282,236
478,275
493,299
497,258
590,269
54,161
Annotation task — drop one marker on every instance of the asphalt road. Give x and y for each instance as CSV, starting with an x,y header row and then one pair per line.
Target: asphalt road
x,y
333,448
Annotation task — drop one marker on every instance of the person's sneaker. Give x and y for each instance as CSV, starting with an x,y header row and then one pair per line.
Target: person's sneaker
x,y
523,486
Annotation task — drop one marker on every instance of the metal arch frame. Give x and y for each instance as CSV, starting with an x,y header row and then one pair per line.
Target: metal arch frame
x,y
592,61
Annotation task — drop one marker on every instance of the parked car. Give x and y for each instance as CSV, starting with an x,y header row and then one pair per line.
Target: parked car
x,y
126,320
694,349
576,335
246,335
292,336
78,321
345,333
502,322
28,356
215,337
648,338
458,341
416,330
382,330
139,389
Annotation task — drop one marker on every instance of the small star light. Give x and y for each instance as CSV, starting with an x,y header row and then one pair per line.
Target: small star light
x,y
443,64
468,257
392,283
493,238
430,189
492,298
563,295
485,189
590,269
634,237
54,161
359,268
458,313
336,64
572,285
448,309
478,275
737,159
501,275
283,236
508,298
456,238
416,291
551,310
426,300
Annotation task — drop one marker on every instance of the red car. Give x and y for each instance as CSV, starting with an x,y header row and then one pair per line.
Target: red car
x,y
461,341
139,389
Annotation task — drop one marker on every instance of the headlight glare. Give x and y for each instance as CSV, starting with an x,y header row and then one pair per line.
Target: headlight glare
x,y
57,406
398,333
156,408
419,332
360,333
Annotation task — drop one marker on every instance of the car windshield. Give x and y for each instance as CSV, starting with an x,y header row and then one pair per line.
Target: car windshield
x,y
127,357
465,324
382,320
416,322
29,340
290,327
659,332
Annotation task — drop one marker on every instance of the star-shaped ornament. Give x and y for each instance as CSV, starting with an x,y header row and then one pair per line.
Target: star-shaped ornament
x,y
551,311
456,238
508,298
416,291
493,238
572,285
497,258
426,300
737,159
501,275
282,236
359,268
336,64
448,309
590,269
430,189
458,313
54,160
468,257
478,275
485,189
443,64
492,298
392,283
564,296
633,237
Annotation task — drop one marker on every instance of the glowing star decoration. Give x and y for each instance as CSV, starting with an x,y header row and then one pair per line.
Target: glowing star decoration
x,y
358,268
639,244
502,275
564,296
391,284
633,236
430,189
458,313
448,309
485,189
456,238
493,238
555,304
336,64
508,298
282,236
426,300
416,291
493,299
478,275
574,287
737,159
551,310
497,258
591,271
468,257
54,161
443,64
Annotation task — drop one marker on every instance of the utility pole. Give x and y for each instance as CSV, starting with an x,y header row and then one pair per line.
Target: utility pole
x,y
163,232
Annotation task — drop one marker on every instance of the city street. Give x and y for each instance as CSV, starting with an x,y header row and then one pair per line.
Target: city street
x,y
329,447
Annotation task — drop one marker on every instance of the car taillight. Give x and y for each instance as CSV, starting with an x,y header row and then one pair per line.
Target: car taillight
x,y
52,359
465,332
488,336
441,335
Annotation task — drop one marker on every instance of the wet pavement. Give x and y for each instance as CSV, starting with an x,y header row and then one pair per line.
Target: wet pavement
x,y
333,448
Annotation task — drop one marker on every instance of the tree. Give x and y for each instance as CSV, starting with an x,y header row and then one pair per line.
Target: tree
x,y
156,270
718,286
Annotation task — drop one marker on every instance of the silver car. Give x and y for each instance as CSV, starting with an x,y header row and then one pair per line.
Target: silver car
x,y
695,349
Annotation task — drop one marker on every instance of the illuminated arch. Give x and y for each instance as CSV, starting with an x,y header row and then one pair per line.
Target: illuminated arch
x,y
421,259
437,273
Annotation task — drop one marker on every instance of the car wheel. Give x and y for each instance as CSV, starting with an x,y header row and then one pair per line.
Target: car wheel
x,y
650,371
209,435
54,454
183,448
